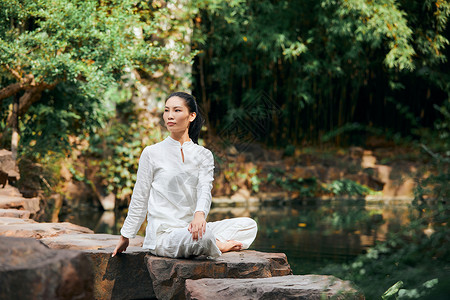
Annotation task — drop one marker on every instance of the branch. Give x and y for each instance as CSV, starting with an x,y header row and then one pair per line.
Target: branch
x,y
14,73
10,90
31,95
435,155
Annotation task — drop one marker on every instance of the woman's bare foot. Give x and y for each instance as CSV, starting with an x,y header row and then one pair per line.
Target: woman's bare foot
x,y
228,246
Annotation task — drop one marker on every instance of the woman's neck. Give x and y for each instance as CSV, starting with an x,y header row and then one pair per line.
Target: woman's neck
x,y
180,137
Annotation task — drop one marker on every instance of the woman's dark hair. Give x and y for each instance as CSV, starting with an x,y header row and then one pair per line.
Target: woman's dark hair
x,y
196,125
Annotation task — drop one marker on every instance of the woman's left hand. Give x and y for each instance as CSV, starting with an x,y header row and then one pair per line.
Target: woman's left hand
x,y
198,226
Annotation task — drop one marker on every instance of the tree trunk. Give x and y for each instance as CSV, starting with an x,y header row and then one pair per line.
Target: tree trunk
x,y
205,100
15,127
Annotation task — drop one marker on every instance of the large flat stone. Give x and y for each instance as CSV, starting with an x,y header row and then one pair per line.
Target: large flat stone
x,y
87,241
16,202
169,275
307,287
124,276
15,213
15,227
30,270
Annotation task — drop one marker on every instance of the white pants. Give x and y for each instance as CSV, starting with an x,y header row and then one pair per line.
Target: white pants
x,y
178,242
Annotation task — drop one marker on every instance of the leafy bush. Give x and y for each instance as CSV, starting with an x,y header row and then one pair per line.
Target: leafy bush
x,y
348,187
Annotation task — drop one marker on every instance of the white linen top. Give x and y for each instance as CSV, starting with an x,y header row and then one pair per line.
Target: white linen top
x,y
168,190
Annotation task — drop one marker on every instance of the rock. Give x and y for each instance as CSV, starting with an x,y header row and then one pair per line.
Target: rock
x,y
29,228
15,213
356,153
169,274
334,173
30,204
368,160
305,172
273,196
235,201
107,220
282,287
124,276
30,270
10,190
12,220
108,202
367,180
321,171
87,241
241,195
406,188
8,164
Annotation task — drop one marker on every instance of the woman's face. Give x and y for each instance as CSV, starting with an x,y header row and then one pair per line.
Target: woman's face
x,y
176,115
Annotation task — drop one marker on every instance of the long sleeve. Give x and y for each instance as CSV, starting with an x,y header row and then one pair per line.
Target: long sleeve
x,y
205,183
137,210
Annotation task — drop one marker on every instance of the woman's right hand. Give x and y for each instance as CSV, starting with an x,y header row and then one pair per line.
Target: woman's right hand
x,y
121,245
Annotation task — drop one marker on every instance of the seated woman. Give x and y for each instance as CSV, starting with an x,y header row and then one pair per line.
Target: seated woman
x,y
173,189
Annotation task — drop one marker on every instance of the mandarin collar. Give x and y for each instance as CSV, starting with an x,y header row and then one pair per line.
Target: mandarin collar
x,y
174,142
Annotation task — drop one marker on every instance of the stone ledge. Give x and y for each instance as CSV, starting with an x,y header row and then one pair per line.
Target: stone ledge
x,y
15,227
308,287
30,204
124,276
169,275
88,241
30,270
15,213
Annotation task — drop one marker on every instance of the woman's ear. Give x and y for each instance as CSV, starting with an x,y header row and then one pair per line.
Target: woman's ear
x,y
192,116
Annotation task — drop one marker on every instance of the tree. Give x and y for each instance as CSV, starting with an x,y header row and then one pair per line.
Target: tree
x,y
331,66
80,46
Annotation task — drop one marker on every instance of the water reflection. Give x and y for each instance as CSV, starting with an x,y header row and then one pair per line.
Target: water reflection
x,y
311,234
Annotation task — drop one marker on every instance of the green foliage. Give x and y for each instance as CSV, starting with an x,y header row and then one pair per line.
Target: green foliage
x,y
44,176
312,187
67,59
114,150
396,292
418,255
66,55
239,176
85,42
51,122
323,64
349,188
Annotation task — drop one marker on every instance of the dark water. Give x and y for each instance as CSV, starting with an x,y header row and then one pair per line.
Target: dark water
x,y
311,234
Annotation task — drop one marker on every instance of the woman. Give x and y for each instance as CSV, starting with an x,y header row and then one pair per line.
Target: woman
x,y
173,188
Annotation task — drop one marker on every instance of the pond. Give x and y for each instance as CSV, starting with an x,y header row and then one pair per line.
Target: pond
x,y
312,233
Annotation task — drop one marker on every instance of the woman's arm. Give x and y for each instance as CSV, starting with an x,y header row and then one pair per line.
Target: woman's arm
x,y
137,210
205,183
204,186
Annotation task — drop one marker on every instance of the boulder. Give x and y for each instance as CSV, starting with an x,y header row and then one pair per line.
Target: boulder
x,y
15,213
28,228
282,287
124,276
87,241
169,275
30,270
